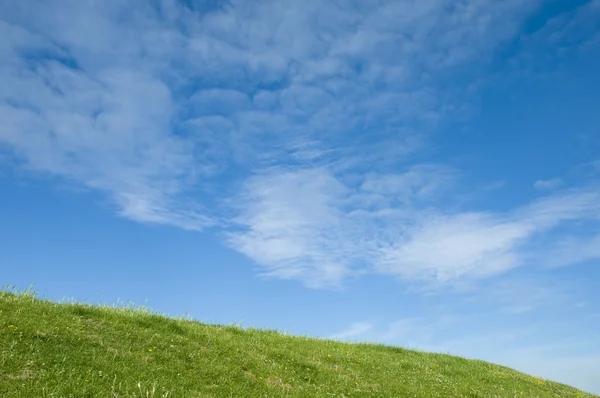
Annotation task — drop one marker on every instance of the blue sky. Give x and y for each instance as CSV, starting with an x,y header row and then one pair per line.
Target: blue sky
x,y
417,173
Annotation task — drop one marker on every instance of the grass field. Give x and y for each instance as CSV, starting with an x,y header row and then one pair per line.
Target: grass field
x,y
49,349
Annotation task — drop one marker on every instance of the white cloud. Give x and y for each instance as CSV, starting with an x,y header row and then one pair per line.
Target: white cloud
x,y
326,66
355,330
548,184
218,102
292,226
526,294
398,331
570,33
570,250
152,105
310,225
307,224
420,183
450,247
67,110
475,245
565,206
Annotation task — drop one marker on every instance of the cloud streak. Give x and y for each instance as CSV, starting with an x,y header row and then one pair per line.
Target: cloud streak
x,y
67,112
548,184
356,329
319,229
291,126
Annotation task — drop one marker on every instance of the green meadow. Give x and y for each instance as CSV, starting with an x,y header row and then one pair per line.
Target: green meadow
x,y
50,349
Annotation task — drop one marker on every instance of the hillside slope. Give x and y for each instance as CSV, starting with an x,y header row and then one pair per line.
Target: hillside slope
x,y
73,350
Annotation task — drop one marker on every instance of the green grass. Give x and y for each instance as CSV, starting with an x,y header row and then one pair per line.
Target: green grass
x,y
49,349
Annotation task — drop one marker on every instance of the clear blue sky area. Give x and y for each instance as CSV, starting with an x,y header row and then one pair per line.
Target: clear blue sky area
x,y
416,173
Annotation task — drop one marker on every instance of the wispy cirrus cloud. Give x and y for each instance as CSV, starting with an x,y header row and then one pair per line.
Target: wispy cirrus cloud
x,y
129,75
355,330
293,225
309,225
548,184
78,103
573,32
309,112
572,249
300,225
446,247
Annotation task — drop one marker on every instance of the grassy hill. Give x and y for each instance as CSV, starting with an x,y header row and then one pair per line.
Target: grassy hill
x,y
73,350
